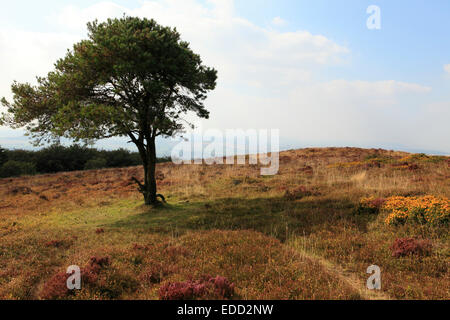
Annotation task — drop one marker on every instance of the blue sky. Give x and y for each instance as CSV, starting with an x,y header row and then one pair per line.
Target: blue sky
x,y
310,68
411,46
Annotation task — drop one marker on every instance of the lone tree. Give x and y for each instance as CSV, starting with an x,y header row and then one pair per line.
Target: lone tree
x,y
132,77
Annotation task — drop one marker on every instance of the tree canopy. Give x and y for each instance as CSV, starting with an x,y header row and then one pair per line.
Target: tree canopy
x,y
132,77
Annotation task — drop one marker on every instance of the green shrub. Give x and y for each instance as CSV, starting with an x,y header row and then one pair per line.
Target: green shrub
x,y
96,163
58,158
3,156
120,158
12,168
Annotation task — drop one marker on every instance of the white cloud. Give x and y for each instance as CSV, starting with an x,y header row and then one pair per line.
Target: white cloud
x,y
277,21
75,18
25,55
447,68
244,54
267,78
339,111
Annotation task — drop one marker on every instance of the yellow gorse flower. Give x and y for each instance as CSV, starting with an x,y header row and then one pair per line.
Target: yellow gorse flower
x,y
426,209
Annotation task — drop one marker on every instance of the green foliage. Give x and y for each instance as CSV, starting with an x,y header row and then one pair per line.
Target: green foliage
x,y
120,158
132,77
3,156
12,168
96,163
57,158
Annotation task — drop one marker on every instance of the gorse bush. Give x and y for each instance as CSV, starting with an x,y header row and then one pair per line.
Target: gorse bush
x,y
427,209
423,210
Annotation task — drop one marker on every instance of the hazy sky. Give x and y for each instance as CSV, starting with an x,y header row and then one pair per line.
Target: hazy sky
x,y
310,68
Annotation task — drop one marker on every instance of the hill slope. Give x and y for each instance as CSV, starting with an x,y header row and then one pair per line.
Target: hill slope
x,y
301,234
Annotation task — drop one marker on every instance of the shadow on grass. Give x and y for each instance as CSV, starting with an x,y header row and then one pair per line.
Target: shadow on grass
x,y
275,216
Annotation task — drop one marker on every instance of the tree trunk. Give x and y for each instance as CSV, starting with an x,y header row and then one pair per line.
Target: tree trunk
x,y
148,156
150,176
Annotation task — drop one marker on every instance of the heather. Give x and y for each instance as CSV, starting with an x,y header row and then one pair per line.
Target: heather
x,y
309,232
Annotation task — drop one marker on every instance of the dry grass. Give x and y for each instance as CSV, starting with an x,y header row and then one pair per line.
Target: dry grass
x,y
296,235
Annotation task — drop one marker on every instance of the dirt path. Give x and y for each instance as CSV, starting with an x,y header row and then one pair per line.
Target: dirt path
x,y
348,277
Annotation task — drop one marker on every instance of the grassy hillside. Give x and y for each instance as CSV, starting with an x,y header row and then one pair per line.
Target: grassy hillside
x,y
309,232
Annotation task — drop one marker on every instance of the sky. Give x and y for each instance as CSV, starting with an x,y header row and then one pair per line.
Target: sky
x,y
312,69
